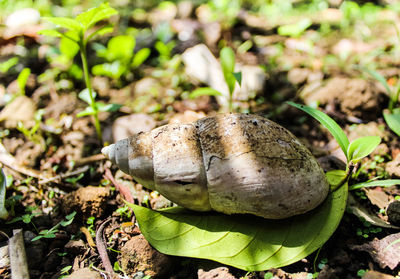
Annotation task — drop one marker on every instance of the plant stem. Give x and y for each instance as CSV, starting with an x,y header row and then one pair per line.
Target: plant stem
x,y
394,99
96,121
230,103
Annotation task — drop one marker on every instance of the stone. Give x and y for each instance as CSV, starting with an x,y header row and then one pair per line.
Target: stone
x,y
393,212
84,273
137,255
126,126
75,247
201,65
86,201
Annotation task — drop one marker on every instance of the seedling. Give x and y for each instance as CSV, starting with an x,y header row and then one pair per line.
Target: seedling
x,y
120,56
354,151
51,233
90,222
125,212
33,134
23,79
8,64
78,31
27,218
392,114
227,60
64,272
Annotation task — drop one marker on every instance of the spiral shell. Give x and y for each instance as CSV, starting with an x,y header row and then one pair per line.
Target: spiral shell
x,y
230,163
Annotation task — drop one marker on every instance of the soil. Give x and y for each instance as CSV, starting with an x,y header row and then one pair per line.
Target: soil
x,y
57,169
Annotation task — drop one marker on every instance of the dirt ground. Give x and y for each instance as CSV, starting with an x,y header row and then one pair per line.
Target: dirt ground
x,y
58,169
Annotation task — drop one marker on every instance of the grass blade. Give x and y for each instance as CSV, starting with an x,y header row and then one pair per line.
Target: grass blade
x,y
375,183
393,121
328,123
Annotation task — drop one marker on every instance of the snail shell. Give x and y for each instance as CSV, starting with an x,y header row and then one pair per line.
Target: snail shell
x,y
230,163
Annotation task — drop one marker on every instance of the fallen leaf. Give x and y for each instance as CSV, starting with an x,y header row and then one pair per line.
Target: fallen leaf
x,y
384,251
378,197
361,212
372,274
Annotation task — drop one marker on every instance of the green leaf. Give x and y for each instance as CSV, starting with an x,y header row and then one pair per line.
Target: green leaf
x,y
101,31
87,111
246,242
113,70
120,47
295,29
140,57
362,147
379,78
204,91
3,185
69,219
328,123
65,22
22,79
108,107
375,183
6,65
227,59
94,15
238,77
50,33
335,177
85,96
393,121
68,47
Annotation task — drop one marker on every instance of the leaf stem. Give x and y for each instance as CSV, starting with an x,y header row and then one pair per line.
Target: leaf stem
x,y
82,47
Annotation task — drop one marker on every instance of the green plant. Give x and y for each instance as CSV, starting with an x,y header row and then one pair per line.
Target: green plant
x,y
361,272
354,151
65,271
22,79
295,29
51,233
124,212
27,218
392,114
78,31
164,50
3,185
227,60
90,222
5,66
74,180
268,275
367,229
120,56
34,134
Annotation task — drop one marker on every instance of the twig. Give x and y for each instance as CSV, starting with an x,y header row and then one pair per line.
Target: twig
x,y
125,192
102,249
89,238
9,161
19,265
89,160
64,175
